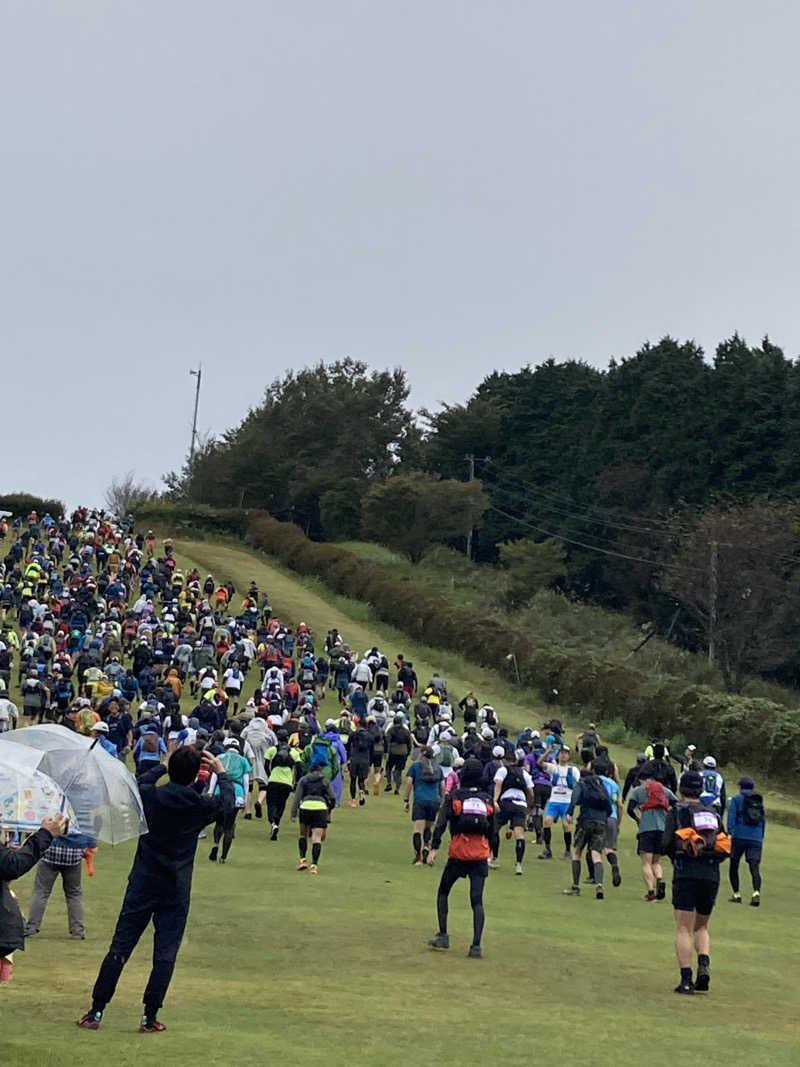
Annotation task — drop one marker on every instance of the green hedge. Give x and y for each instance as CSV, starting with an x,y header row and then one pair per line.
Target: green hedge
x,y
180,518
731,726
23,504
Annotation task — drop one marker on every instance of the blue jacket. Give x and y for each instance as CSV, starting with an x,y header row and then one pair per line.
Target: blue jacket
x,y
737,827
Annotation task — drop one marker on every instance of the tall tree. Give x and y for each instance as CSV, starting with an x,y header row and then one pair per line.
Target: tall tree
x,y
411,512
315,429
736,570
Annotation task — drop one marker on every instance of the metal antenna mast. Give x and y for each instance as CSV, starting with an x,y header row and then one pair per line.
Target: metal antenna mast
x,y
197,374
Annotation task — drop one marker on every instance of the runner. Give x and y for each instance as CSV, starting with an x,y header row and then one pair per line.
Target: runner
x,y
313,801
426,778
564,777
360,751
469,812
695,842
513,798
282,762
595,807
747,824
238,769
648,806
398,747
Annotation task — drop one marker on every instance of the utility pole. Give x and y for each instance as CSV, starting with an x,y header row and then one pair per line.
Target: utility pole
x,y
713,594
470,458
197,374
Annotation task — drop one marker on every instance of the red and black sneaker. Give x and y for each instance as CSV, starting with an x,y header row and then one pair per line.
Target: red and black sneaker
x,y
90,1021
151,1026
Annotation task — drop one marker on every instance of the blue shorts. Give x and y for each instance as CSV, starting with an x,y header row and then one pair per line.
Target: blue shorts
x,y
556,808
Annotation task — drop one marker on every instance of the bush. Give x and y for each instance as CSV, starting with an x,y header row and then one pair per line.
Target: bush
x,y
190,518
22,504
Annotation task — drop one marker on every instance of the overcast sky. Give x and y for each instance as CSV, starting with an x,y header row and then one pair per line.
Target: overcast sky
x,y
449,187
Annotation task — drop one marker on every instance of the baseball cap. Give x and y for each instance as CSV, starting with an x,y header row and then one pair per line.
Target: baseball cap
x,y
101,727
498,751
709,761
230,741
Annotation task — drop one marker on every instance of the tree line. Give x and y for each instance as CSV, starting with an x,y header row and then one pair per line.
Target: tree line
x,y
664,484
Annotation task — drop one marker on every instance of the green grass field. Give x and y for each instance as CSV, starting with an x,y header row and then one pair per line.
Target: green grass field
x,y
278,966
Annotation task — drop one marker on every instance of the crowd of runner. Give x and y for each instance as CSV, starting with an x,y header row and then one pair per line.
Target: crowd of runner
x,y
103,632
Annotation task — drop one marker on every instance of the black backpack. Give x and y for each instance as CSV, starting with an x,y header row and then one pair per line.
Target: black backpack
x,y
594,795
361,742
514,779
753,809
282,757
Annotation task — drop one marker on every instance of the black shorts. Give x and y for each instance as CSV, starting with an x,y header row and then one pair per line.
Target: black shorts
x,y
424,809
515,815
591,834
313,818
377,761
694,894
541,793
464,868
650,841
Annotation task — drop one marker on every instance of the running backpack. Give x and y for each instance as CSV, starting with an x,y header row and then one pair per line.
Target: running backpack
x,y
446,754
656,797
472,812
150,742
320,753
514,779
702,835
361,742
283,757
430,771
753,809
594,795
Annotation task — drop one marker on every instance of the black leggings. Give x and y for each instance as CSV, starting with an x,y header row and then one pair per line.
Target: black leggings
x,y
277,795
395,765
477,878
358,776
737,852
225,828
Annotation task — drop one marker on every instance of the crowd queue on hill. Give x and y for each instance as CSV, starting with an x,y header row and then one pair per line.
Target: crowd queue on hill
x,y
104,633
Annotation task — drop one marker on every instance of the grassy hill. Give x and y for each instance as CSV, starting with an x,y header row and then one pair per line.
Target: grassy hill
x,y
330,971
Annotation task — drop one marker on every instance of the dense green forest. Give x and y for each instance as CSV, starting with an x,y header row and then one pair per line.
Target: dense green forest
x,y
664,485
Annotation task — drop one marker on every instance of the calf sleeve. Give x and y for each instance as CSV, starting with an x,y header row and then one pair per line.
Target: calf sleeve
x,y
520,847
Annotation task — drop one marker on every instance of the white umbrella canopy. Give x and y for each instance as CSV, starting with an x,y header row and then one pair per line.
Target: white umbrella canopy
x,y
27,794
101,789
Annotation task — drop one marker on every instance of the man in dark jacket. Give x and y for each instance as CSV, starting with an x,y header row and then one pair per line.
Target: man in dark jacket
x,y
14,862
160,881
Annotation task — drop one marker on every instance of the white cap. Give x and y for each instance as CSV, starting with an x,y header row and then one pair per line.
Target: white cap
x,y
487,732
709,761
230,741
498,751
101,727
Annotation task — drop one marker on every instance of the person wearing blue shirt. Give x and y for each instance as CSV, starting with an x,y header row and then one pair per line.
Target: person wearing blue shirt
x,y
100,733
426,778
747,826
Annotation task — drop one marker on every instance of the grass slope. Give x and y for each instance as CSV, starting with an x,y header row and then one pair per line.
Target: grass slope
x,y
279,966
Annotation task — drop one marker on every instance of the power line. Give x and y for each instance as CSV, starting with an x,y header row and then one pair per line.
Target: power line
x,y
592,548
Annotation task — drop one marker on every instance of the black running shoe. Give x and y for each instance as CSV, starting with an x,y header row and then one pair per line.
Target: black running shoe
x,y
702,981
213,854
616,876
684,987
439,941
259,810
599,893
661,889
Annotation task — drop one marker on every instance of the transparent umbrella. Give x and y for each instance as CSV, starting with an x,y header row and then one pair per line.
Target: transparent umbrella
x,y
100,788
27,794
